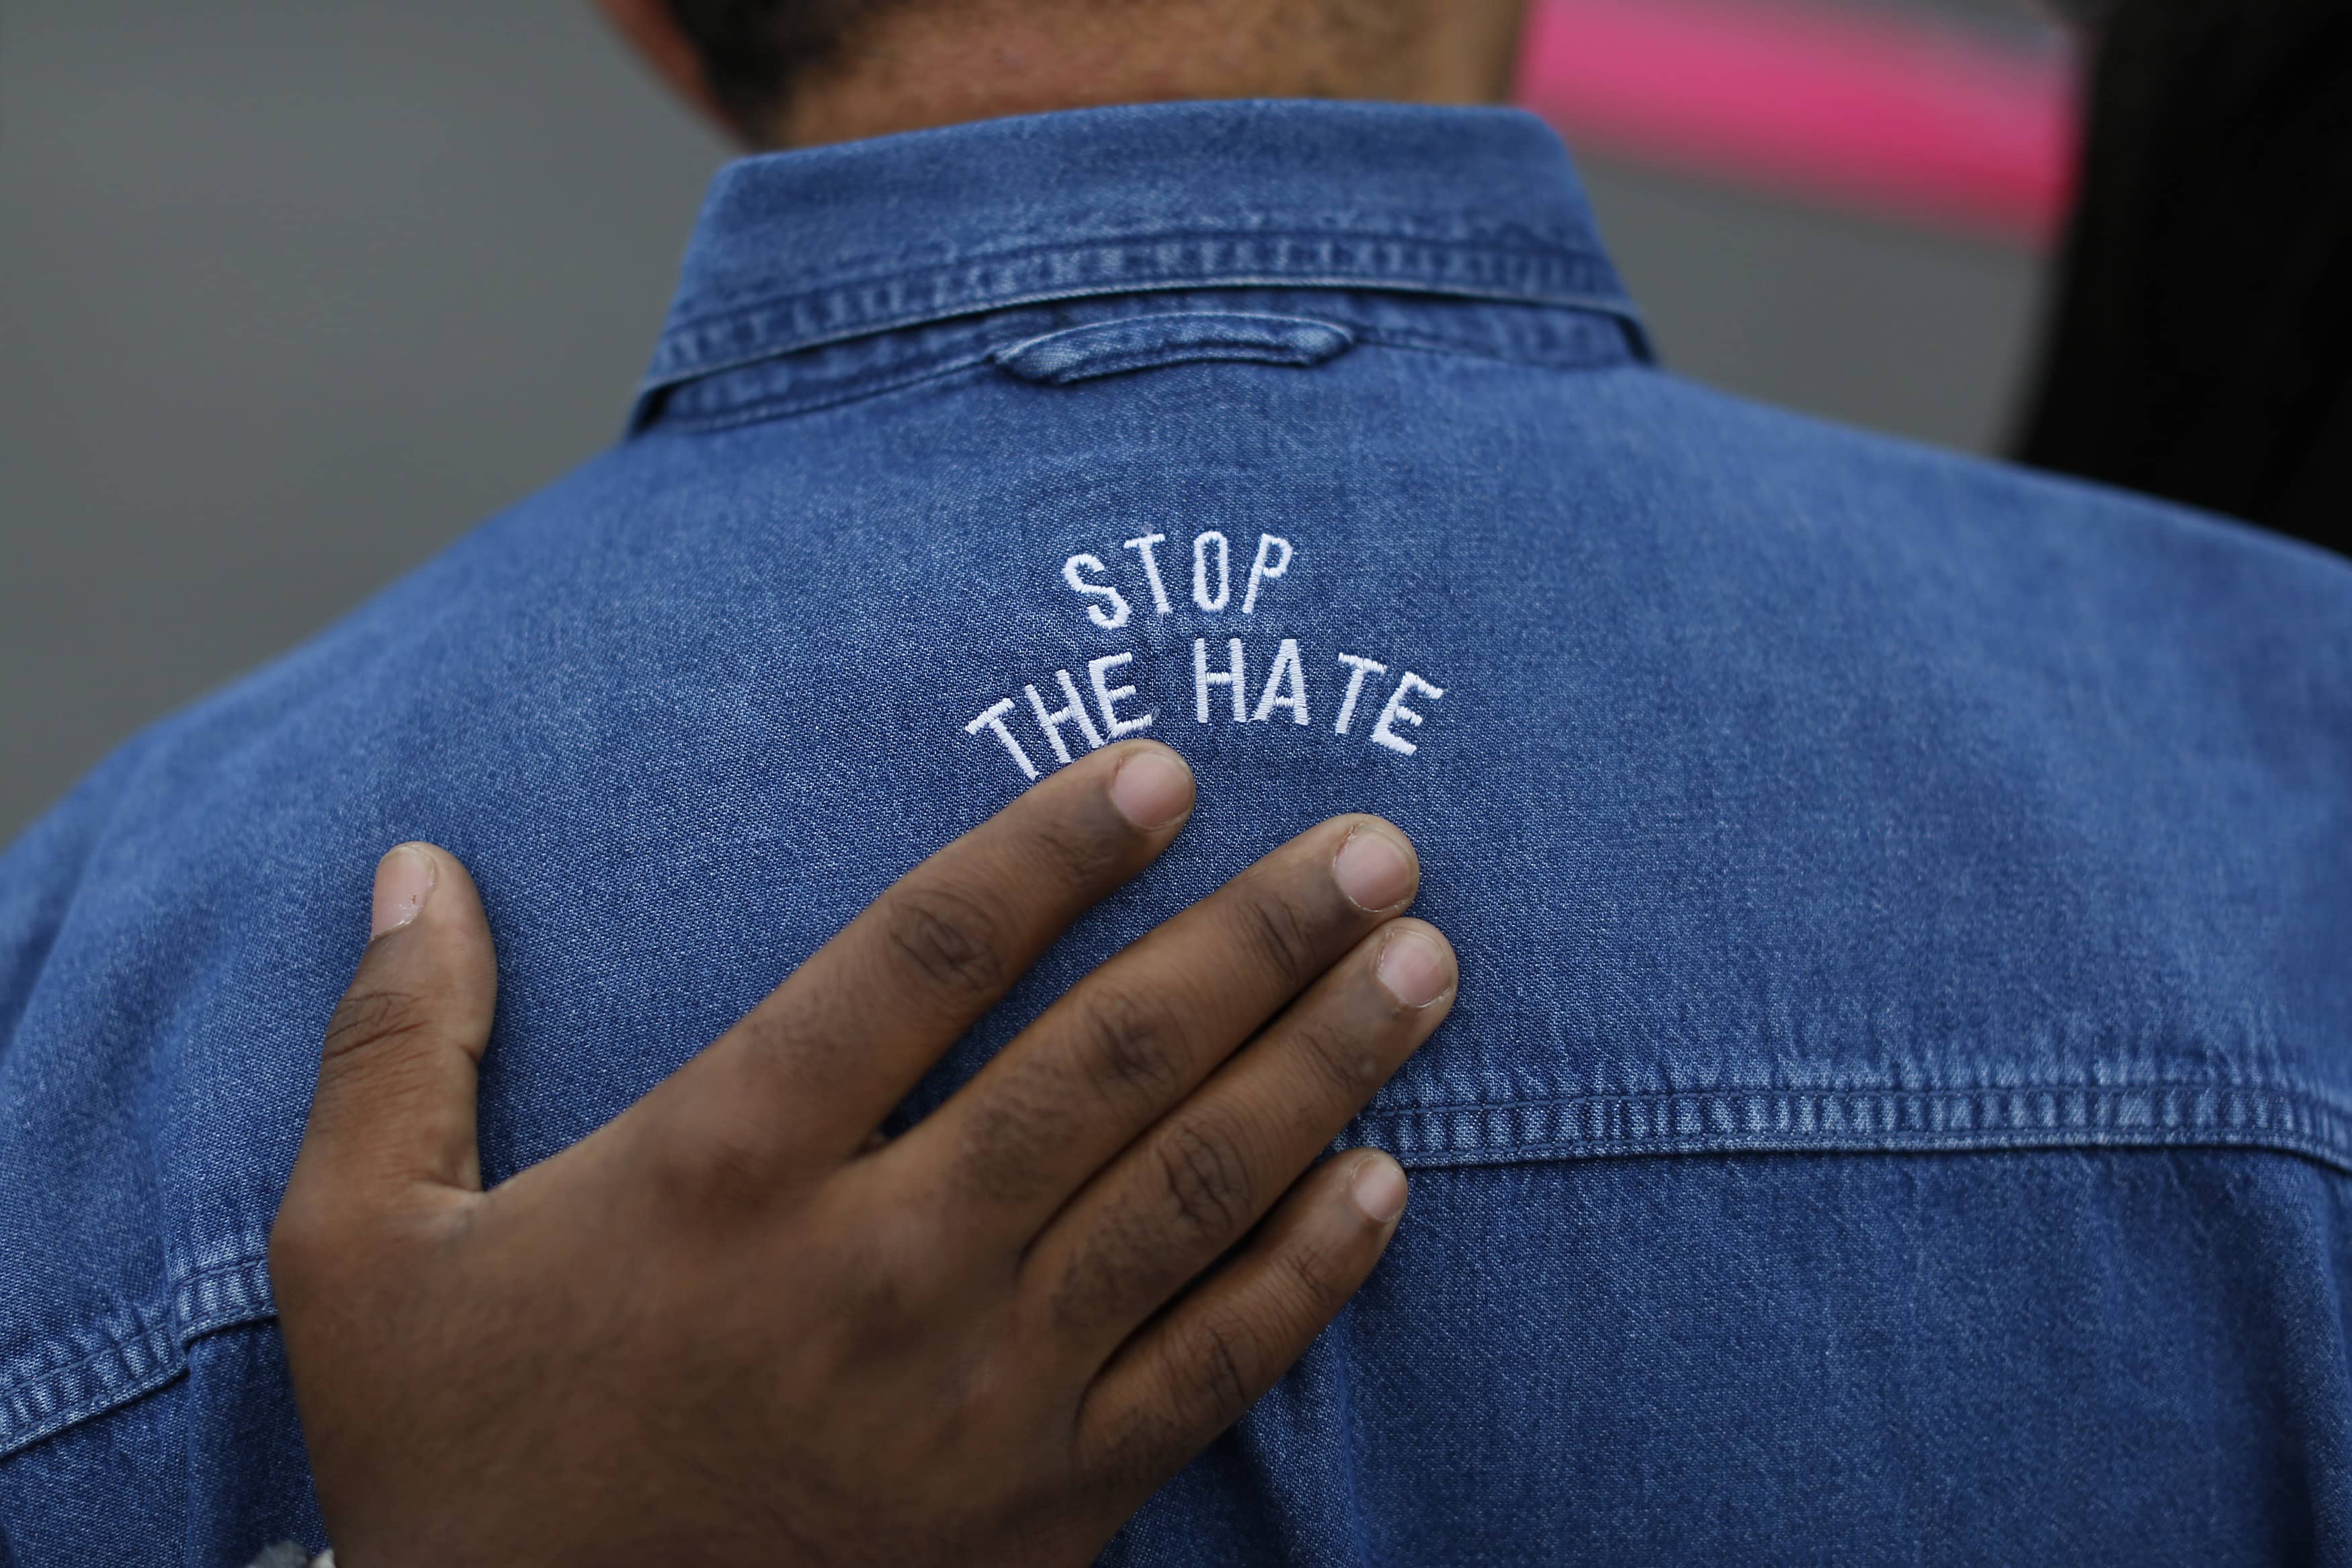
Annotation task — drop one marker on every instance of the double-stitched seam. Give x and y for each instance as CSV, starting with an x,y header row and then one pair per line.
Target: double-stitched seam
x,y
763,327
1413,344
758,410
2170,1082
131,1355
105,1366
725,414
1560,255
118,1360
2037,1116
222,1296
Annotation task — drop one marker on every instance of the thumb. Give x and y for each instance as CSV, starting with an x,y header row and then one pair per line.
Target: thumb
x,y
394,1109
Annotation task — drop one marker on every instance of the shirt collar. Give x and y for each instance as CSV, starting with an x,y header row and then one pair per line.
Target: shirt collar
x,y
797,249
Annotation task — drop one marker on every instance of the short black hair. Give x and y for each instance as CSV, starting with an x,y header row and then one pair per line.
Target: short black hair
x,y
752,49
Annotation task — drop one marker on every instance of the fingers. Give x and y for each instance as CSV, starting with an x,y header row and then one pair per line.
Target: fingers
x,y
394,1108
1143,1033
1193,1186
811,1071
1191,1374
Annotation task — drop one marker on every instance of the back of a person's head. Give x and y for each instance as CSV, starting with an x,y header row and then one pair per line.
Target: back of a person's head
x,y
751,51
789,72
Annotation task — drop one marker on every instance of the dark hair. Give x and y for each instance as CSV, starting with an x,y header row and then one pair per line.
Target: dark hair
x,y
2203,322
752,49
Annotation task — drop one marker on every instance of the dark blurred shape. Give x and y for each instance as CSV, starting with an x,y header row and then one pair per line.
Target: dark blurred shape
x,y
753,51
2201,349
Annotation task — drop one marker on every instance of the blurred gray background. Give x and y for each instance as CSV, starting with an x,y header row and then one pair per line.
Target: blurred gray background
x,y
292,292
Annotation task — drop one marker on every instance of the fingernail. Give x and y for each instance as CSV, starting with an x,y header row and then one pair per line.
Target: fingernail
x,y
1152,789
1416,968
1378,1189
404,880
1373,868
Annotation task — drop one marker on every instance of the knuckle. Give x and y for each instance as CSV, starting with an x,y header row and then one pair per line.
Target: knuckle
x,y
1228,1349
1080,851
950,939
1210,1192
1344,1058
1089,1283
1011,1142
1130,1265
367,1018
1135,1050
1139,1447
1280,937
1317,1276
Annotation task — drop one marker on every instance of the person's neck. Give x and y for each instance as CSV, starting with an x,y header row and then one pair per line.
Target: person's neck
x,y
942,65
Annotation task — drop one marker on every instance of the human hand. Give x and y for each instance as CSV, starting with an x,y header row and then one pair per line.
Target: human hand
x,y
733,1325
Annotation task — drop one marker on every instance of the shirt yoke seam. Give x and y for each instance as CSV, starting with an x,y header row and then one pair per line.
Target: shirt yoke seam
x,y
108,1365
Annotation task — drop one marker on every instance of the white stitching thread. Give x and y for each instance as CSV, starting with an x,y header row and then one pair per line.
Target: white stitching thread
x,y
1098,672
1110,619
1286,662
1260,572
1203,680
1289,684
1201,571
1142,547
1076,709
1384,736
994,719
1361,667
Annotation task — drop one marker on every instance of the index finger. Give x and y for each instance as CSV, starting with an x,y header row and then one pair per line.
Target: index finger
x,y
819,1063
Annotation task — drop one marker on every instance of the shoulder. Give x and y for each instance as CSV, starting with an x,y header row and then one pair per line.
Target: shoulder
x,y
1819,514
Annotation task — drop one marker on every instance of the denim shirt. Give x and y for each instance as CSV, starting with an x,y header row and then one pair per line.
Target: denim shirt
x,y
1900,1105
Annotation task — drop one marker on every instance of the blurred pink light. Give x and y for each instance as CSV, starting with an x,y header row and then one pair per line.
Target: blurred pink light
x,y
1909,118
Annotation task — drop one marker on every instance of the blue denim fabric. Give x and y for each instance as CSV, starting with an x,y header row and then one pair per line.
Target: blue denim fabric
x,y
1901,1101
